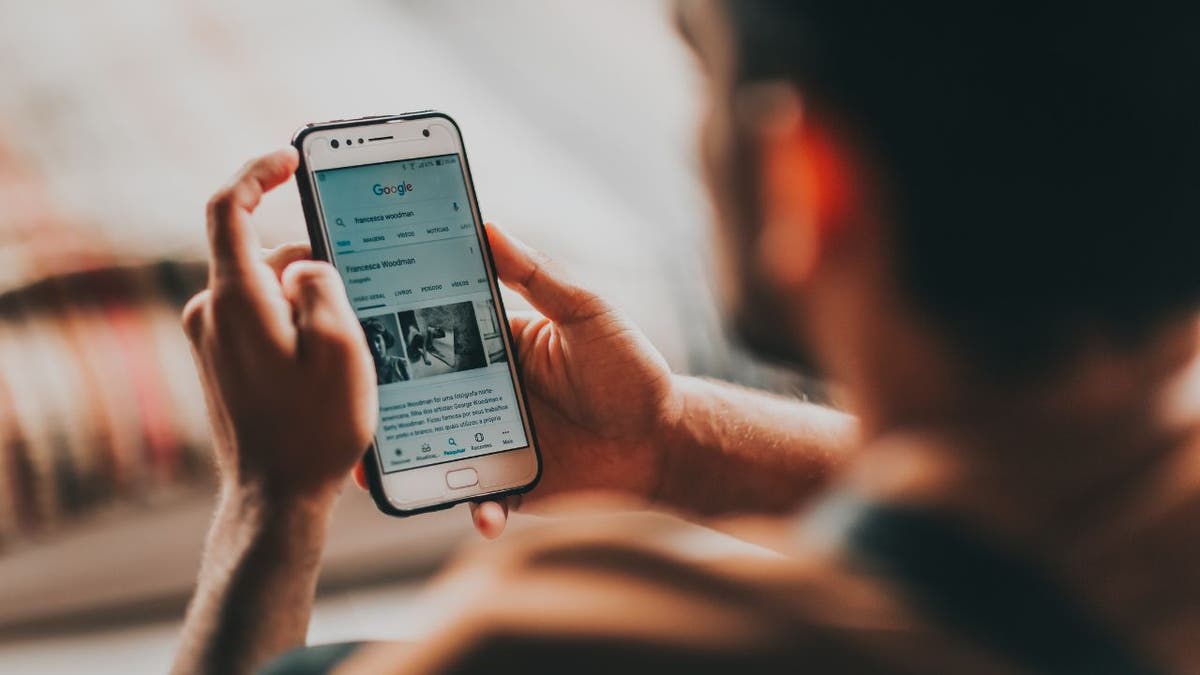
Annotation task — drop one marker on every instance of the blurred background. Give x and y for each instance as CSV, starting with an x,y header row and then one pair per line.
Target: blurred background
x,y
117,120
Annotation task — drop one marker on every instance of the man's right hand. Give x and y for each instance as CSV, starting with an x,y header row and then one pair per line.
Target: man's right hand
x,y
600,393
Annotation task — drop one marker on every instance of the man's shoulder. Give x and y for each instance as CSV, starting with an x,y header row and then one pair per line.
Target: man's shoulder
x,y
645,591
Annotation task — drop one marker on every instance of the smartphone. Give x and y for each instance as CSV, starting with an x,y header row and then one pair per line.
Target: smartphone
x,y
390,203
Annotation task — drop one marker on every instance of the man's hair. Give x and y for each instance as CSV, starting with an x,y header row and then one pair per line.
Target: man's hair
x,y
1042,160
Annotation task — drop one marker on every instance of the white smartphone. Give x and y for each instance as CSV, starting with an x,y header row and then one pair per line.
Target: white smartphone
x,y
390,203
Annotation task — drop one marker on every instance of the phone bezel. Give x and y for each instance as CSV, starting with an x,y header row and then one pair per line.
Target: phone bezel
x,y
318,235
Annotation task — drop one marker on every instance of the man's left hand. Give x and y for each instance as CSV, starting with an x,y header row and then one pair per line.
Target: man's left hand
x,y
285,368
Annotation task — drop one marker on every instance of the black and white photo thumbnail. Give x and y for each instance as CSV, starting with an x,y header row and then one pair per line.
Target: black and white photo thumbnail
x,y
442,339
387,349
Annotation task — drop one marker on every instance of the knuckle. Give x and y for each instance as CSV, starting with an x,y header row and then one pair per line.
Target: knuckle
x,y
225,200
220,202
541,264
313,279
192,316
308,278
585,306
292,250
337,336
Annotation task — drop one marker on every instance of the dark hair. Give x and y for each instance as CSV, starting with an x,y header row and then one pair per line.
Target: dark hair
x,y
1043,159
373,327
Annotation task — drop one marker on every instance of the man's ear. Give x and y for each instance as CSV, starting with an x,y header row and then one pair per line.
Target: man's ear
x,y
806,194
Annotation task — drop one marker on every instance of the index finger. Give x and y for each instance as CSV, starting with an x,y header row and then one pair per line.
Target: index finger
x,y
232,242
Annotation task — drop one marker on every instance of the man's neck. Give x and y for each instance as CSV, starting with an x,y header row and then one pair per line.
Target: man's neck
x,y
1038,457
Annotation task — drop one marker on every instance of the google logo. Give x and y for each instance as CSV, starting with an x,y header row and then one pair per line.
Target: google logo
x,y
381,190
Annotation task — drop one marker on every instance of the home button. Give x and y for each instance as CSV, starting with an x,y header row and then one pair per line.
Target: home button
x,y
461,478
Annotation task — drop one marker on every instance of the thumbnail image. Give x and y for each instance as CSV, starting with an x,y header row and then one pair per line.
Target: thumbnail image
x,y
387,349
489,330
442,339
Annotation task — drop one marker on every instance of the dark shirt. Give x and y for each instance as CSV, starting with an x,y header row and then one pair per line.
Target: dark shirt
x,y
391,369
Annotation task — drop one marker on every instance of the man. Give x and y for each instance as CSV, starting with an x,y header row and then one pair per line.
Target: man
x,y
981,225
388,368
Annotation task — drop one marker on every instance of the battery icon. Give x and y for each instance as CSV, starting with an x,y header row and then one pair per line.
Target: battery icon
x,y
438,162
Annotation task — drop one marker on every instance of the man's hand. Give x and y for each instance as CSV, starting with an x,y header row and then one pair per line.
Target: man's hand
x,y
601,394
610,416
288,379
291,392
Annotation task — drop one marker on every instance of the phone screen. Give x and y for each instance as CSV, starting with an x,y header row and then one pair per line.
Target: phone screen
x,y
403,237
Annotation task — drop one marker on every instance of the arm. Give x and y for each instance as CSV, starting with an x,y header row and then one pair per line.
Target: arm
x,y
611,416
290,388
736,450
256,585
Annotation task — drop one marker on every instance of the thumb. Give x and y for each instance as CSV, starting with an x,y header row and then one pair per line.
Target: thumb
x,y
360,477
325,323
531,273
490,518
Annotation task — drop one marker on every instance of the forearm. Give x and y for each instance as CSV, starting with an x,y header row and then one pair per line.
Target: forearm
x,y
735,450
257,580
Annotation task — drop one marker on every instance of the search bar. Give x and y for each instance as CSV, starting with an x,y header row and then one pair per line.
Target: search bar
x,y
401,213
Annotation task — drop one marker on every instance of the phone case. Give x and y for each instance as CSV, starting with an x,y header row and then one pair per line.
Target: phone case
x,y
312,220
